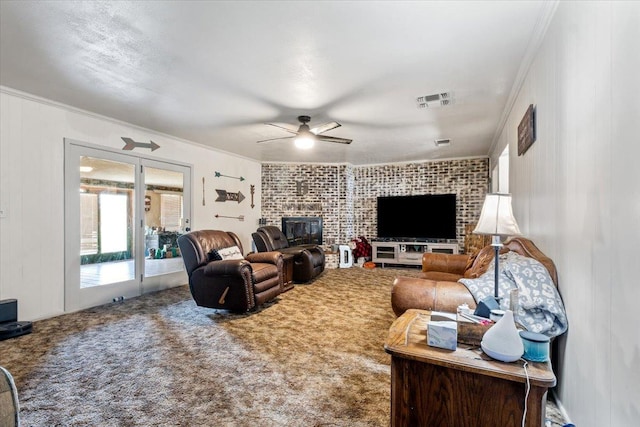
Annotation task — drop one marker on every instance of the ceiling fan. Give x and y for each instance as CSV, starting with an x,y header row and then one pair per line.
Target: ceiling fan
x,y
305,137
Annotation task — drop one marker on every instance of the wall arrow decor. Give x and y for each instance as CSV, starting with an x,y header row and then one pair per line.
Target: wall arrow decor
x,y
218,175
203,202
226,196
239,218
130,144
252,188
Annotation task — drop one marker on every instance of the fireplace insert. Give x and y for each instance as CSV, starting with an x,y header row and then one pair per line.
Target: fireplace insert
x,y
301,230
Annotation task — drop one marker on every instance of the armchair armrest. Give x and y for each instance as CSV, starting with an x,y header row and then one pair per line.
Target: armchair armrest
x,y
267,257
312,248
293,250
225,267
446,263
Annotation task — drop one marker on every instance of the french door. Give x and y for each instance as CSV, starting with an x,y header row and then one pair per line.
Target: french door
x,y
123,215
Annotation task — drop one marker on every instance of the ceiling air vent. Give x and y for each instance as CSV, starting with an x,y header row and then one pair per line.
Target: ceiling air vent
x,y
442,142
436,100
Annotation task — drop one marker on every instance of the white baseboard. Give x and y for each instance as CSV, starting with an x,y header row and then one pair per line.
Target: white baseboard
x,y
561,408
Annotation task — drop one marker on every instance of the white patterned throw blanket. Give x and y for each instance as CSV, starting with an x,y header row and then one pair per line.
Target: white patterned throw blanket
x,y
540,308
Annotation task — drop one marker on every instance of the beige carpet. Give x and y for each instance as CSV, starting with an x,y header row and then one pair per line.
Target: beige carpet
x,y
313,357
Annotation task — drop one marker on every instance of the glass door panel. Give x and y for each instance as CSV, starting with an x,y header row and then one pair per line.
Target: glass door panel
x,y
101,193
107,206
164,220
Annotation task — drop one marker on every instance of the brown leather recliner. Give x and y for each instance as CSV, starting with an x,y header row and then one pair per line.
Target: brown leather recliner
x,y
438,288
236,285
308,261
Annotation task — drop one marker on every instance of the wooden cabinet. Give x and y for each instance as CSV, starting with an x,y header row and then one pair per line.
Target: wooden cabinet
x,y
407,253
461,388
384,252
287,271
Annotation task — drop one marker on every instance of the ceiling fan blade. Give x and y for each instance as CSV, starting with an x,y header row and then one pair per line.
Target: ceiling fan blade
x,y
325,127
333,139
276,139
288,128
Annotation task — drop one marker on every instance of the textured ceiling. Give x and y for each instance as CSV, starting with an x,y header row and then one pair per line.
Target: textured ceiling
x,y
216,72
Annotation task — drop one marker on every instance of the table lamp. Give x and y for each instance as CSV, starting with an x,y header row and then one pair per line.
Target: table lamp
x,y
496,220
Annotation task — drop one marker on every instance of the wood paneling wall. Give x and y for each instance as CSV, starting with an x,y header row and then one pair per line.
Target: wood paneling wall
x,y
576,193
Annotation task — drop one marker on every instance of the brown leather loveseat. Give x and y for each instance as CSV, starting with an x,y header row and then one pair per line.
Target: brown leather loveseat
x,y
232,284
308,260
438,288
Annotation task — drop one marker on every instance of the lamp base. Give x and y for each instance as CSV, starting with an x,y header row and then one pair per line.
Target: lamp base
x,y
497,245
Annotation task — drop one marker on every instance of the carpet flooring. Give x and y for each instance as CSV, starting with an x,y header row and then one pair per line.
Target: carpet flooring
x,y
312,357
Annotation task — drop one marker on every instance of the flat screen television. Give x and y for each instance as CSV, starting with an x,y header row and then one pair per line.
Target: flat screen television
x,y
425,217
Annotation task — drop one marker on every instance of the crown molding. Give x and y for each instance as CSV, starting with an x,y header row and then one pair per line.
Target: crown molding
x,y
45,101
407,162
545,17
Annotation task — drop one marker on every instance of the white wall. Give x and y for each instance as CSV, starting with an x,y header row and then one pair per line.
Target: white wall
x,y
576,193
32,192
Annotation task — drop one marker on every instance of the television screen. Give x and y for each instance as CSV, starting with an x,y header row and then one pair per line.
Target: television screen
x,y
430,216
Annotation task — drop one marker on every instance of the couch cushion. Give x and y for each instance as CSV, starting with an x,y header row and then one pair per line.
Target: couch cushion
x,y
471,260
481,262
232,252
275,237
213,255
425,294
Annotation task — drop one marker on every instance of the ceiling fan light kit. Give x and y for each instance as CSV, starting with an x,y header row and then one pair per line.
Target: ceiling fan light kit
x,y
305,137
304,142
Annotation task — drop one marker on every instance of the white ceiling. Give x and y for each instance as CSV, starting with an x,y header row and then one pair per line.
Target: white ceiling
x,y
216,72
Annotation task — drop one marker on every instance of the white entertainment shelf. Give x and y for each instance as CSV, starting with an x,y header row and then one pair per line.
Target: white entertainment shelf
x,y
408,253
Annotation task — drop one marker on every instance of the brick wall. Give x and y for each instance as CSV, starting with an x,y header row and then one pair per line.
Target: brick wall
x,y
345,195
303,190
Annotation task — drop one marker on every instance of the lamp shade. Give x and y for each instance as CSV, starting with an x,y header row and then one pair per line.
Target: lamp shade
x,y
496,218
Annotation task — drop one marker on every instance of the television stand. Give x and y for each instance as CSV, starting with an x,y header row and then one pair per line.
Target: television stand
x,y
407,252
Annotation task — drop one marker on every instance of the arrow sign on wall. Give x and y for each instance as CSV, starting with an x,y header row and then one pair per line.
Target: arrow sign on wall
x,y
239,218
218,175
226,196
130,144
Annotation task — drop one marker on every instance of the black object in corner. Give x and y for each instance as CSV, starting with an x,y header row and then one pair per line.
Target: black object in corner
x,y
9,325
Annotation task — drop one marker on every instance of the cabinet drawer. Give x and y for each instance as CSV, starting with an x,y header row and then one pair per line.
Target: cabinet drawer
x,y
410,258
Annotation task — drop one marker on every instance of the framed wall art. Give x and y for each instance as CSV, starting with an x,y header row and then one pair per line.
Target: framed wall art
x,y
527,130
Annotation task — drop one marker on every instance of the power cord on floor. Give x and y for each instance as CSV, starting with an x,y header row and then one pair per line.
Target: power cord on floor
x,y
526,395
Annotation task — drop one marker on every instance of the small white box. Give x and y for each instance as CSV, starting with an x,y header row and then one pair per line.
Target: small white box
x,y
442,333
346,256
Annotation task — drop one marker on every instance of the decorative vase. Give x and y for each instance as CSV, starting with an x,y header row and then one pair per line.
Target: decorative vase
x,y
502,341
